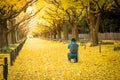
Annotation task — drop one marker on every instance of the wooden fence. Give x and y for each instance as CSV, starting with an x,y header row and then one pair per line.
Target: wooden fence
x,y
14,53
104,36
5,68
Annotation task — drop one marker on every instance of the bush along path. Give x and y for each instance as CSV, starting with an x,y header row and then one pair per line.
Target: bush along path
x,y
47,60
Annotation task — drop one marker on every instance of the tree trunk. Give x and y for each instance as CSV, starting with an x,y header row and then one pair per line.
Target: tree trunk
x,y
9,38
17,36
47,35
59,32
94,26
3,34
54,34
75,32
65,32
21,35
13,37
50,34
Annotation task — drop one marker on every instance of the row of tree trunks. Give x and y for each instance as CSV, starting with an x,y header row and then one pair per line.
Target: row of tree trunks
x,y
94,27
57,33
7,38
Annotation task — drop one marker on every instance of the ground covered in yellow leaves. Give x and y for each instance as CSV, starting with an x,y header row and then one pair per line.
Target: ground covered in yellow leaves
x,y
47,60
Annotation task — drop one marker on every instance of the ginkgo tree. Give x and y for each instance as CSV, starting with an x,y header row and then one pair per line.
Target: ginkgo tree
x,y
95,8
75,10
92,9
60,14
8,11
52,16
66,14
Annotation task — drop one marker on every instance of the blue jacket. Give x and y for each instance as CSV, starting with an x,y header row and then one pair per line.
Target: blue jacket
x,y
69,45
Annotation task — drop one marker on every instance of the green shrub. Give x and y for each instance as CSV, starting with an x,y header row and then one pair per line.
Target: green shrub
x,y
116,48
105,43
5,50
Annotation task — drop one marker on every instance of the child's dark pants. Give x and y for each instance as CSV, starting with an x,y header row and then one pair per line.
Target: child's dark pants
x,y
73,56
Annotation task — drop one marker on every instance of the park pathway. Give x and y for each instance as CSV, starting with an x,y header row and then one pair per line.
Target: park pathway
x,y
42,60
47,60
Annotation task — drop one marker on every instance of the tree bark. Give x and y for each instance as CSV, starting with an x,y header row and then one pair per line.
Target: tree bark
x,y
50,35
9,38
3,34
75,32
94,26
54,34
65,31
17,35
13,37
21,35
59,32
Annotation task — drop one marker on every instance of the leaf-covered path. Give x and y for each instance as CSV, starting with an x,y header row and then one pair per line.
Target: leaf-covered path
x,y
47,60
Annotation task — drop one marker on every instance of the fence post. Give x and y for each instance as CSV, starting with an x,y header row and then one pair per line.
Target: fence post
x,y
100,46
11,58
5,68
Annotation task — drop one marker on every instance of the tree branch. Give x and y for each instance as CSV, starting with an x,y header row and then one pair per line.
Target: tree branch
x,y
117,3
14,26
13,14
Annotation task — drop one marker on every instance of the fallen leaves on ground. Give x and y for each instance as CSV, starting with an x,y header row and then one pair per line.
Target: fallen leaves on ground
x,y
47,60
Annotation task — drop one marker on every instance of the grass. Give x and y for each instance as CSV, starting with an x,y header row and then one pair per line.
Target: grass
x,y
47,60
